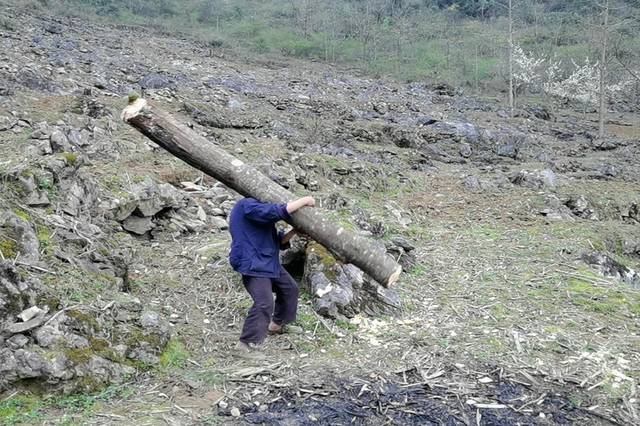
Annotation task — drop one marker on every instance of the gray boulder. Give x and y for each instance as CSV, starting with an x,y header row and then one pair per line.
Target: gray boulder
x,y
536,179
342,290
21,239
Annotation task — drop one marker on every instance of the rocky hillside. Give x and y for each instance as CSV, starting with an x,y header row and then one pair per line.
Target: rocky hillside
x,y
519,237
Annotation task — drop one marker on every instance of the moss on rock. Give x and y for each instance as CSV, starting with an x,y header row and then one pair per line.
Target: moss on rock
x,y
79,356
9,248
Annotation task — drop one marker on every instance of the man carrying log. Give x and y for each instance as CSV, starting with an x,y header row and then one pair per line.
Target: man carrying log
x,y
254,253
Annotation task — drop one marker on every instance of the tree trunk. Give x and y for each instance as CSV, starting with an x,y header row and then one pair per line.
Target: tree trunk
x,y
200,153
510,58
602,110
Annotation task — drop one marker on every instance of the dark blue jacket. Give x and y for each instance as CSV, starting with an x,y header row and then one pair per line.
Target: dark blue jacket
x,y
255,242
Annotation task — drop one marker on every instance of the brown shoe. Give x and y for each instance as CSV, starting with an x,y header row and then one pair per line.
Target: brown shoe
x,y
286,329
249,350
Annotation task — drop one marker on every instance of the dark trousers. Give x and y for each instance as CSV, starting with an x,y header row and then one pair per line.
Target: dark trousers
x,y
263,309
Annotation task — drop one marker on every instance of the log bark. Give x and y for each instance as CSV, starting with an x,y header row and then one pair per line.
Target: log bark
x,y
200,153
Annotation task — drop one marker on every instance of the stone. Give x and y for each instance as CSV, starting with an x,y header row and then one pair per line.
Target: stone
x,y
580,207
509,150
536,179
79,138
38,198
465,150
48,336
154,81
342,290
149,319
608,171
59,142
138,225
21,327
540,112
608,266
219,222
403,242
7,123
148,199
22,234
17,341
472,182
28,314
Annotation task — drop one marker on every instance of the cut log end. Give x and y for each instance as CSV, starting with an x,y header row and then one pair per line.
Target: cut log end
x,y
133,109
394,277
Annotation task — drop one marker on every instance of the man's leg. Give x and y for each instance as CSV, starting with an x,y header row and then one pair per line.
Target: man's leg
x,y
286,307
257,321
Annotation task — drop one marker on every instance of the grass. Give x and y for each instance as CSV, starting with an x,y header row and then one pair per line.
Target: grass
x,y
174,356
31,408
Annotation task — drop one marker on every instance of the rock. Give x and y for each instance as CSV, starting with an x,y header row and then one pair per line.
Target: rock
x,y
534,179
79,138
148,199
403,242
608,171
465,150
150,319
22,239
472,182
54,28
28,314
459,131
38,198
580,207
21,327
509,150
540,112
154,81
138,225
17,341
342,290
59,142
607,266
48,336
7,123
219,222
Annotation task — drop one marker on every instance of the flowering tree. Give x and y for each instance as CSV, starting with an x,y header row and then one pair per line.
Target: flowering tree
x,y
582,85
528,69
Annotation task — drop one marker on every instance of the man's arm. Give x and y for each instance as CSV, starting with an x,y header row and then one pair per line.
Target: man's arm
x,y
300,203
271,213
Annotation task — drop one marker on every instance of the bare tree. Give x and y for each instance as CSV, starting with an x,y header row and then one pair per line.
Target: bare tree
x,y
602,110
511,100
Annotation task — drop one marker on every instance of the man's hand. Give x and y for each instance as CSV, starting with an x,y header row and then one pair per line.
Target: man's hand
x,y
309,201
299,203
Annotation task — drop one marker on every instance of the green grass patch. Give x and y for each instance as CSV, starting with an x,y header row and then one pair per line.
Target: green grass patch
x,y
30,409
175,355
595,298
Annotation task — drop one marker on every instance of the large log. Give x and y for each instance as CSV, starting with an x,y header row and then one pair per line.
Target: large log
x,y
200,153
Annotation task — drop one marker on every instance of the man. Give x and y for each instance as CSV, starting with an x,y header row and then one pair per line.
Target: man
x,y
255,246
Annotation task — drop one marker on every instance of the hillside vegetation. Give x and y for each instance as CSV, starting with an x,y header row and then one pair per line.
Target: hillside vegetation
x,y
463,42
